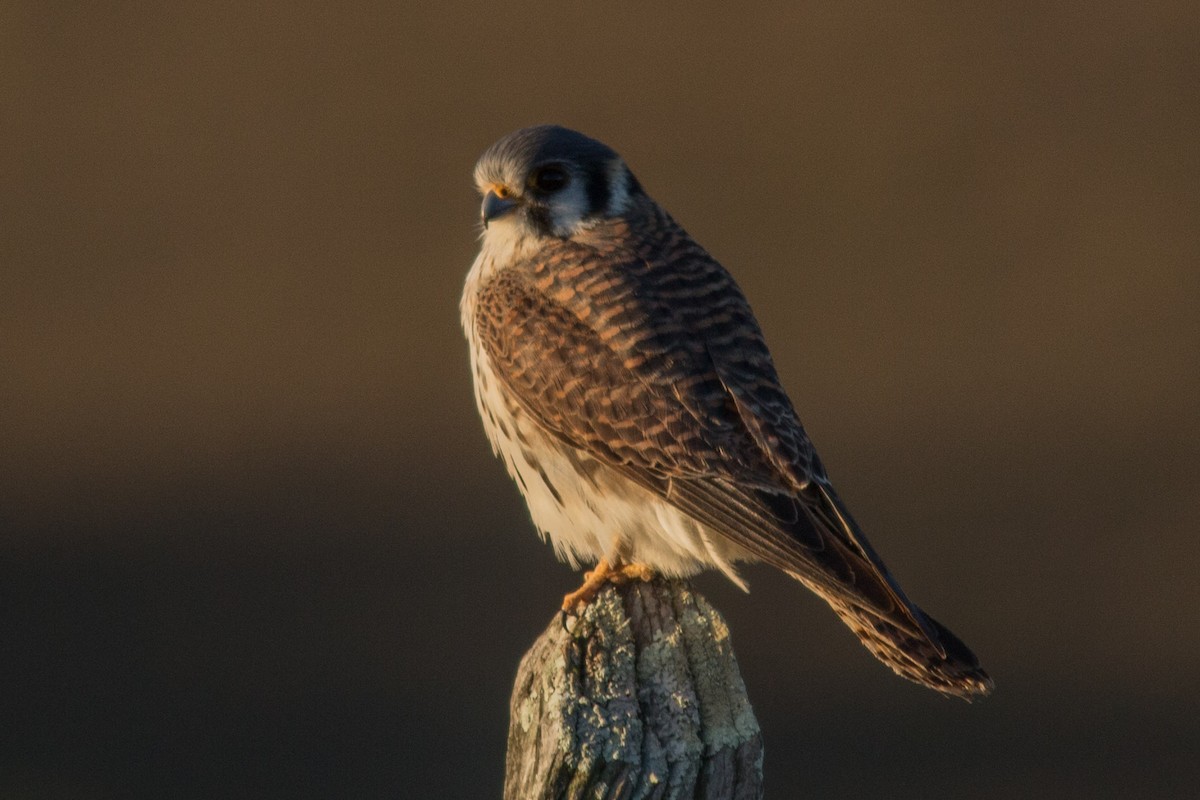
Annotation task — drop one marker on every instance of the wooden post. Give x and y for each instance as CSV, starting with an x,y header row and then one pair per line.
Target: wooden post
x,y
637,697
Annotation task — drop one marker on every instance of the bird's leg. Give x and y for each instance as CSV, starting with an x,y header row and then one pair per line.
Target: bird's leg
x,y
592,582
608,570
623,568
631,572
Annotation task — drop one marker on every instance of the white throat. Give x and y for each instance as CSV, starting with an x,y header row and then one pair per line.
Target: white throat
x,y
505,241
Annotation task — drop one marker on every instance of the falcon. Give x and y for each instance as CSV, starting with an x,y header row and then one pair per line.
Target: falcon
x,y
624,381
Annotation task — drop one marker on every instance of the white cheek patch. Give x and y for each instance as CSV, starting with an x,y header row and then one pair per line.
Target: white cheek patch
x,y
568,208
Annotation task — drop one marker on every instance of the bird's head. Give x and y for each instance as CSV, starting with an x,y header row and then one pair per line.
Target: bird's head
x,y
550,181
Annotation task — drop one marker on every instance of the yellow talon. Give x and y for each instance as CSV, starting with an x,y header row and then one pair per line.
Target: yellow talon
x,y
604,572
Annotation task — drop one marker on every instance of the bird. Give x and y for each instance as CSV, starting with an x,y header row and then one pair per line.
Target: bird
x,y
624,381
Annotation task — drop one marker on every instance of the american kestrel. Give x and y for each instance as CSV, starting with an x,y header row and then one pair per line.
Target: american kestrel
x,y
624,381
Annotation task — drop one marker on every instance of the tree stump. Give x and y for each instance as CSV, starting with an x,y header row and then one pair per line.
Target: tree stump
x,y
637,697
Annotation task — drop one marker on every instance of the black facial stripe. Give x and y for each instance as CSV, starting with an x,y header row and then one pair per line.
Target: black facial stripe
x,y
598,190
539,218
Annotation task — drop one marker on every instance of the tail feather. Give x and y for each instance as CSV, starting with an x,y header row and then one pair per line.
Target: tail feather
x,y
914,656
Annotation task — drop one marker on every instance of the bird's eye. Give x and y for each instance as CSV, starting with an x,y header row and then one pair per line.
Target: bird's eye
x,y
549,179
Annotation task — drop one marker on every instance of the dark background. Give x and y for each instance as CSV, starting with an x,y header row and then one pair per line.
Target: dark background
x,y
252,541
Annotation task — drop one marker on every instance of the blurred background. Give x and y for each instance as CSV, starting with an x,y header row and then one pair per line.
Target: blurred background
x,y
252,540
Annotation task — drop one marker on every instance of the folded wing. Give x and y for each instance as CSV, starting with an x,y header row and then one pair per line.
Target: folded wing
x,y
683,399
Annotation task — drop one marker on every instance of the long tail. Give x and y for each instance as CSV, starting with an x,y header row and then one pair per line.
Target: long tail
x,y
947,665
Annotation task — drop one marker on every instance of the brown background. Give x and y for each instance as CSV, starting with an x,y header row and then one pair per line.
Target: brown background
x,y
253,543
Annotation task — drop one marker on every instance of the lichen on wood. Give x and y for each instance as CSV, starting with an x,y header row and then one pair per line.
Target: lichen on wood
x,y
639,696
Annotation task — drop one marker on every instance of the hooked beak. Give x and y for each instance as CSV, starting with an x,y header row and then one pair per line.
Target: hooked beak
x,y
496,206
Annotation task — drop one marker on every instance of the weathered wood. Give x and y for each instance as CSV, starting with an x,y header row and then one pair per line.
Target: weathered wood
x,y
637,697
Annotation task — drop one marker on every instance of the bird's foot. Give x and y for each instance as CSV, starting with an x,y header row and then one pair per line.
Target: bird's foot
x,y
592,583
604,573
